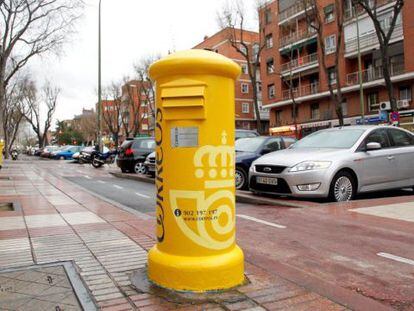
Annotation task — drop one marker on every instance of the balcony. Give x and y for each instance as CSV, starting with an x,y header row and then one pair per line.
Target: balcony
x,y
297,92
370,40
296,36
293,11
374,73
350,12
301,63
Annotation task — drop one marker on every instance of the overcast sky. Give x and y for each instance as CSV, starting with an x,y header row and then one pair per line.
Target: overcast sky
x,y
131,29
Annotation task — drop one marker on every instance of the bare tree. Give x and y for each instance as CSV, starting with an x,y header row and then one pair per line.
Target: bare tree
x,y
112,111
13,110
40,110
384,36
87,125
316,22
132,101
147,89
29,28
233,17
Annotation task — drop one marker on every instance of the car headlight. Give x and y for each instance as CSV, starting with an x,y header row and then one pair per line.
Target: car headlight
x,y
310,165
252,168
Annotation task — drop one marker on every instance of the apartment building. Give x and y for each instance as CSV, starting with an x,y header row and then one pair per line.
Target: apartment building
x,y
291,65
244,107
136,111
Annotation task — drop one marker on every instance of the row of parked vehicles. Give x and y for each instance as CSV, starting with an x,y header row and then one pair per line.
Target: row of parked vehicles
x,y
335,163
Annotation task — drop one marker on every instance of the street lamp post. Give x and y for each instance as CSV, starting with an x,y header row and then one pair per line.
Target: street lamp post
x,y
99,84
361,88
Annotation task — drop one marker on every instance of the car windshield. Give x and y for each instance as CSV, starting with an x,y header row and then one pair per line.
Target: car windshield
x,y
337,139
249,144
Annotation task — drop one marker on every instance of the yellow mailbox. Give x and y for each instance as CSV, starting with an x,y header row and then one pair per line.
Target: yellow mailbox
x,y
195,208
1,152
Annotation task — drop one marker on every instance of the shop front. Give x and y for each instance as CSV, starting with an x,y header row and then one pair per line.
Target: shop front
x,y
289,130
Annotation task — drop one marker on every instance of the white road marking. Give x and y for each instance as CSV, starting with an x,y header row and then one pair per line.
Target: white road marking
x,y
142,195
87,177
118,187
261,221
397,258
101,182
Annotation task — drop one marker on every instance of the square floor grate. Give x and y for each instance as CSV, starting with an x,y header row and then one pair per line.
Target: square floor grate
x,y
44,287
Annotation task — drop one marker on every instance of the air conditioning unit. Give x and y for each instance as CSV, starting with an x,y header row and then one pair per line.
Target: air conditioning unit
x,y
401,104
385,106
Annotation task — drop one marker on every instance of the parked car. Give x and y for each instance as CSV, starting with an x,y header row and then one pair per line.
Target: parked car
x,y
47,151
249,149
66,152
133,153
75,156
150,164
245,133
338,163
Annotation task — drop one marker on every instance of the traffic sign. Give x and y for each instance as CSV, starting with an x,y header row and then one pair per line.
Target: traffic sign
x,y
395,116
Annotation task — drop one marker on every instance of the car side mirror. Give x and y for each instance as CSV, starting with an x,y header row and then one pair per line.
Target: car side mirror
x,y
373,146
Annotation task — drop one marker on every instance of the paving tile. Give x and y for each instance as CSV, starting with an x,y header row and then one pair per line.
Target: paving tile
x,y
11,223
41,221
79,218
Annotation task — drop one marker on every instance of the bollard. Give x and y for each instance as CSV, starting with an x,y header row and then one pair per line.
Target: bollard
x,y
195,207
1,152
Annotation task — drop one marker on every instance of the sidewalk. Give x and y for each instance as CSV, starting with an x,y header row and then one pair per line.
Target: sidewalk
x,y
58,221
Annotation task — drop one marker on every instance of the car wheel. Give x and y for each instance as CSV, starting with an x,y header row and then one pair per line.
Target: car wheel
x,y
342,187
240,179
62,158
140,168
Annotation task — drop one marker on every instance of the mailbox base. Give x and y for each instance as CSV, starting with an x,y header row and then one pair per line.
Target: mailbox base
x,y
197,274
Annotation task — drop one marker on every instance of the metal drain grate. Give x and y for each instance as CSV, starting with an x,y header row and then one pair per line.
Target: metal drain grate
x,y
44,287
10,207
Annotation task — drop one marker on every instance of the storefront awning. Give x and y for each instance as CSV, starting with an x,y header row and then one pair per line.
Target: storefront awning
x,y
281,129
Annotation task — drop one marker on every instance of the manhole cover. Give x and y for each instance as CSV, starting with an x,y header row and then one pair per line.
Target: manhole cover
x,y
44,287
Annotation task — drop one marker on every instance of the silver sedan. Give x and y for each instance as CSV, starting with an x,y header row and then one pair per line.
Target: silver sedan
x,y
338,163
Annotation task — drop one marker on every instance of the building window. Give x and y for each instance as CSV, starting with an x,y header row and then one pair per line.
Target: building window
x,y
278,117
314,111
270,66
329,13
245,69
344,107
269,41
332,76
405,93
245,88
330,44
372,100
271,91
243,49
268,16
245,108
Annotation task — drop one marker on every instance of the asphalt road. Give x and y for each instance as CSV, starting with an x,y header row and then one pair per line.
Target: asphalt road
x,y
136,195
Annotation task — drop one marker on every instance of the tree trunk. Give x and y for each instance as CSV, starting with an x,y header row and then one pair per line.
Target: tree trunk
x,y
256,106
387,77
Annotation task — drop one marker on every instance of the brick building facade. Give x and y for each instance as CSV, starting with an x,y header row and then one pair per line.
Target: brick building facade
x,y
244,107
292,52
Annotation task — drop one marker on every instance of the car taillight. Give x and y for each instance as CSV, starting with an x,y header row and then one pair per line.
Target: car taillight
x,y
129,152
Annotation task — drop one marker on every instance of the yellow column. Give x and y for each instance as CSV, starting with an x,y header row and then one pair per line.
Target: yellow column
x,y
195,208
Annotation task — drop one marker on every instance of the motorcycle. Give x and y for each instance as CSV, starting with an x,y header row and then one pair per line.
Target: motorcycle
x,y
99,158
14,155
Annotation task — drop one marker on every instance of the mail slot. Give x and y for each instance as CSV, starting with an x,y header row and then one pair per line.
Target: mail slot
x,y
195,207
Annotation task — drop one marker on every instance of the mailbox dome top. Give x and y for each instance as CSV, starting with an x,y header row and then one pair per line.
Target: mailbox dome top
x,y
195,62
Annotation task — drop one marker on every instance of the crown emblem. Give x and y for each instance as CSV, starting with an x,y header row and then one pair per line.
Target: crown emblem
x,y
215,164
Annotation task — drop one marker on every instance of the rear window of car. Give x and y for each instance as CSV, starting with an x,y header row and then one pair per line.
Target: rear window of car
x,y
144,144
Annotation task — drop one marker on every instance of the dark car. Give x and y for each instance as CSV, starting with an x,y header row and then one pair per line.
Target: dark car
x,y
250,149
150,164
133,153
245,134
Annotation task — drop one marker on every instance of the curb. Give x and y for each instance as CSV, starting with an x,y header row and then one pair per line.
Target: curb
x,y
241,196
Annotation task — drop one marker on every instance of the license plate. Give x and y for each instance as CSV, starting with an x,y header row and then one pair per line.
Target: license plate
x,y
267,180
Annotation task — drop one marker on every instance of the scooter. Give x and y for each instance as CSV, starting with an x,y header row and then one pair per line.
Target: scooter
x,y
99,159
14,155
